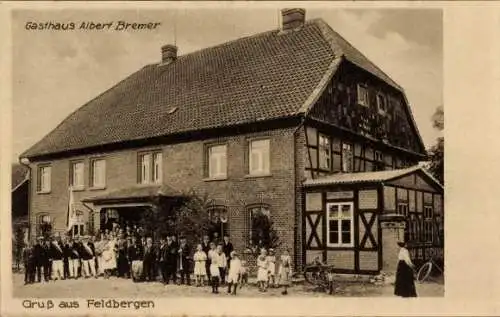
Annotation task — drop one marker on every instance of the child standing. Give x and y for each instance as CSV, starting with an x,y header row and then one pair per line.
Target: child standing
x,y
271,268
214,268
222,263
243,273
262,270
285,271
200,258
234,272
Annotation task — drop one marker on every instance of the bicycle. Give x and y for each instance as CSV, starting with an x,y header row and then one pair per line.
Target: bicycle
x,y
425,270
320,275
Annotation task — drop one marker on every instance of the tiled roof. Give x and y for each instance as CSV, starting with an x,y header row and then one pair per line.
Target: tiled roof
x,y
366,177
267,76
19,175
136,192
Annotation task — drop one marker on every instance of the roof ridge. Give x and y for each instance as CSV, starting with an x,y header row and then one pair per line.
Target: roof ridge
x,y
276,30
223,44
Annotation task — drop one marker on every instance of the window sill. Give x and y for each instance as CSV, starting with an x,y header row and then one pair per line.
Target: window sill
x,y
214,179
149,184
97,188
258,175
40,192
340,245
78,189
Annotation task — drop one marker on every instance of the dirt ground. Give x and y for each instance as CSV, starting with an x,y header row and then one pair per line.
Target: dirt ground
x,y
123,288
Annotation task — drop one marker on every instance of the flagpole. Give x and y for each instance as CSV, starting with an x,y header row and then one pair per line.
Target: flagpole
x,y
70,210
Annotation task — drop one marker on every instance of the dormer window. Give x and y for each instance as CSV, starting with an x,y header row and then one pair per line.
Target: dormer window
x,y
363,98
381,103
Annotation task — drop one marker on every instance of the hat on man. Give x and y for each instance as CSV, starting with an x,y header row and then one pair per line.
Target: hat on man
x,y
40,238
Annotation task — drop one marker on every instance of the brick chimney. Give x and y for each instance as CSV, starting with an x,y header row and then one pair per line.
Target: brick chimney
x,y
168,53
293,19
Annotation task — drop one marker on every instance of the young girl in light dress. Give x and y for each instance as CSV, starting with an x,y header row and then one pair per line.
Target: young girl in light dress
x,y
271,268
285,271
200,259
214,257
234,273
262,271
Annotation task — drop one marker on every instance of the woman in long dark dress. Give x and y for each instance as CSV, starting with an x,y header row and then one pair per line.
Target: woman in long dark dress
x,y
405,281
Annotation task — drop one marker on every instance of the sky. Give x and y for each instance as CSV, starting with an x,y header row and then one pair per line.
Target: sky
x,y
56,72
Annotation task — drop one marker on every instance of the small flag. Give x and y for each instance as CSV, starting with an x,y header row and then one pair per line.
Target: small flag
x,y
71,213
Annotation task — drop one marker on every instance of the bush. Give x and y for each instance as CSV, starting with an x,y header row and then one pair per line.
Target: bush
x,y
187,216
263,234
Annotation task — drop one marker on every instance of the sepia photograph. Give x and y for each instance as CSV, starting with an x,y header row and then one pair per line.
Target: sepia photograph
x,y
226,152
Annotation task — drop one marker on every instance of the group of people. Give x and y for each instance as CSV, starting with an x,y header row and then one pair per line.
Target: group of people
x,y
123,254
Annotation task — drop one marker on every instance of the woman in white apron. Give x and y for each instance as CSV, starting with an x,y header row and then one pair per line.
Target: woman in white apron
x,y
99,249
109,256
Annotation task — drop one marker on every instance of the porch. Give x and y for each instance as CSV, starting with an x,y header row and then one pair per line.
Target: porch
x,y
354,220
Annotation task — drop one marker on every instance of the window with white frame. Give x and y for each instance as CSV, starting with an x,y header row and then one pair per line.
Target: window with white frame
x,y
340,224
347,158
157,167
362,95
217,161
259,157
76,174
98,173
325,154
428,210
145,168
150,166
381,103
403,209
78,228
44,179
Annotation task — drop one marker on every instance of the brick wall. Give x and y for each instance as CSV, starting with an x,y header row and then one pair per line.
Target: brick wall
x,y
183,168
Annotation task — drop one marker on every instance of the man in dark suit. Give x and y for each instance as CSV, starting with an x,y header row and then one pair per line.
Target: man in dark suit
x,y
148,260
66,255
161,259
184,261
227,248
39,256
171,260
29,264
46,260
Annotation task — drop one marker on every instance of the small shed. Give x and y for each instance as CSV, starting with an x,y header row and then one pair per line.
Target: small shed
x,y
354,220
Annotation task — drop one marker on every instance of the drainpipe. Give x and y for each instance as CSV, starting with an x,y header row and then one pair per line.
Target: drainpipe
x,y
25,162
296,185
